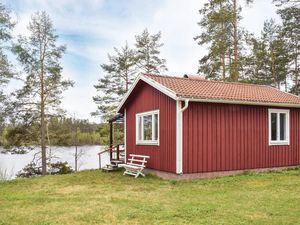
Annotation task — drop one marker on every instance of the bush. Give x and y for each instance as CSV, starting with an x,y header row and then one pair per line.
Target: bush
x,y
32,169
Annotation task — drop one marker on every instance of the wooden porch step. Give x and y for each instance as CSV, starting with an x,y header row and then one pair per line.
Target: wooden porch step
x,y
108,169
116,162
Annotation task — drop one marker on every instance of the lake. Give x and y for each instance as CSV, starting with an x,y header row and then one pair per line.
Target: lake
x,y
13,163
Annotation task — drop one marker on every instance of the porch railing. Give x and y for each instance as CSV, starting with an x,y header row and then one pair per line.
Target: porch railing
x,y
116,152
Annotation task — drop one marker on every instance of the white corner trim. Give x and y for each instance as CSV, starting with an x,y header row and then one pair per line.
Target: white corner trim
x,y
125,159
152,83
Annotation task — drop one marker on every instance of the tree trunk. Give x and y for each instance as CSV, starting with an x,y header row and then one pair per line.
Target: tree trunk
x,y
296,75
126,80
43,128
76,158
223,67
235,75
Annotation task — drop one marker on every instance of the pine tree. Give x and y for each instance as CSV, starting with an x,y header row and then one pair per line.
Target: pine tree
x,y
291,32
236,65
287,3
120,73
224,37
269,57
6,26
40,96
148,51
123,67
216,23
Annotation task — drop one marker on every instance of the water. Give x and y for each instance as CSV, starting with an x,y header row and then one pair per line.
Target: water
x,y
13,163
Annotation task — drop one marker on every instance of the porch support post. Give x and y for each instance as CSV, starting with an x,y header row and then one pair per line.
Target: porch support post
x,y
111,141
111,134
125,159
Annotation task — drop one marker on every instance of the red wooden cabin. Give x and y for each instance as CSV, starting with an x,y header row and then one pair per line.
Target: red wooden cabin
x,y
192,125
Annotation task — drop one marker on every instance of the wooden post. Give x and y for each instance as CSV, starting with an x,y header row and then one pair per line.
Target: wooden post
x,y
118,152
99,161
111,138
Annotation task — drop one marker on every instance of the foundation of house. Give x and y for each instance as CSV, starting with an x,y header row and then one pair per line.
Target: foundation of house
x,y
191,176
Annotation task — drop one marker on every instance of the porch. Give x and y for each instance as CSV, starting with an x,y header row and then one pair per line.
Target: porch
x,y
117,152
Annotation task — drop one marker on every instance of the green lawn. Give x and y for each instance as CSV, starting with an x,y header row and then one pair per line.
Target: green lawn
x,y
94,197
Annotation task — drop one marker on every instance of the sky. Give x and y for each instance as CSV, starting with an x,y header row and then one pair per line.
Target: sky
x,y
92,28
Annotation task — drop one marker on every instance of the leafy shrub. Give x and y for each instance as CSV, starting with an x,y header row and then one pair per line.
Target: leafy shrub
x,y
32,169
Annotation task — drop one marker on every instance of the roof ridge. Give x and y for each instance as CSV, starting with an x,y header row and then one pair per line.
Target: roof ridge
x,y
210,81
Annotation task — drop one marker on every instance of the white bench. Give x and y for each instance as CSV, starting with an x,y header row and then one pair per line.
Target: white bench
x,y
135,165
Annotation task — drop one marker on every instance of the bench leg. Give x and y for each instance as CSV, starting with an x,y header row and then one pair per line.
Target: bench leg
x,y
139,173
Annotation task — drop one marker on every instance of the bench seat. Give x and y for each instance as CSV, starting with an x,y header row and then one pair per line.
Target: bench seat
x,y
135,165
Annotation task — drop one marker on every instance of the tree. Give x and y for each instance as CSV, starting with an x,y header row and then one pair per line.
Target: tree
x,y
148,51
269,57
224,37
291,33
120,72
40,96
216,32
6,26
234,76
122,69
288,3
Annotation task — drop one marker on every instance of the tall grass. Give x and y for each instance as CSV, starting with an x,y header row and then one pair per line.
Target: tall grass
x,y
5,174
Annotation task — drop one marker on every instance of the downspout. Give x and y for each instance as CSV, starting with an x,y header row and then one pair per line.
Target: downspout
x,y
179,134
186,105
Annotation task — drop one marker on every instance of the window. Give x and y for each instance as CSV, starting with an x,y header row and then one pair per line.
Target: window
x,y
279,127
147,125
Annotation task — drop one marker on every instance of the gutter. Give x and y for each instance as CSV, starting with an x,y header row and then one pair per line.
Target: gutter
x,y
240,102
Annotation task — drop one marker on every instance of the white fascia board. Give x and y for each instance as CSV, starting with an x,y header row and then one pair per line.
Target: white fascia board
x,y
128,93
152,83
287,105
159,87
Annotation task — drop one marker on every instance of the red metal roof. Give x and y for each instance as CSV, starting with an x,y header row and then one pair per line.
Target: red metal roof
x,y
218,90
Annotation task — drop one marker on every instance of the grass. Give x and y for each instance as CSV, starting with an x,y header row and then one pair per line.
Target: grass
x,y
94,197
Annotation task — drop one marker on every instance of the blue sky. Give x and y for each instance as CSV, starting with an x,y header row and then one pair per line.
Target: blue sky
x,y
91,28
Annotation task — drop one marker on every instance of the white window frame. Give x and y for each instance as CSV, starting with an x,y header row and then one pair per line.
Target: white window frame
x,y
278,141
147,142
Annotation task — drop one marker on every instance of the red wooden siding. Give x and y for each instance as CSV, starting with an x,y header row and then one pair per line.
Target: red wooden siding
x,y
146,98
223,137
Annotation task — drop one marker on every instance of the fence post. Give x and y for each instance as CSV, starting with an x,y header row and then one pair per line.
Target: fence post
x,y
99,161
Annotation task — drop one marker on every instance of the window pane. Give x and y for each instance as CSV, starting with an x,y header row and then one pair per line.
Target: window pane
x,y
273,126
147,127
139,128
282,126
155,127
